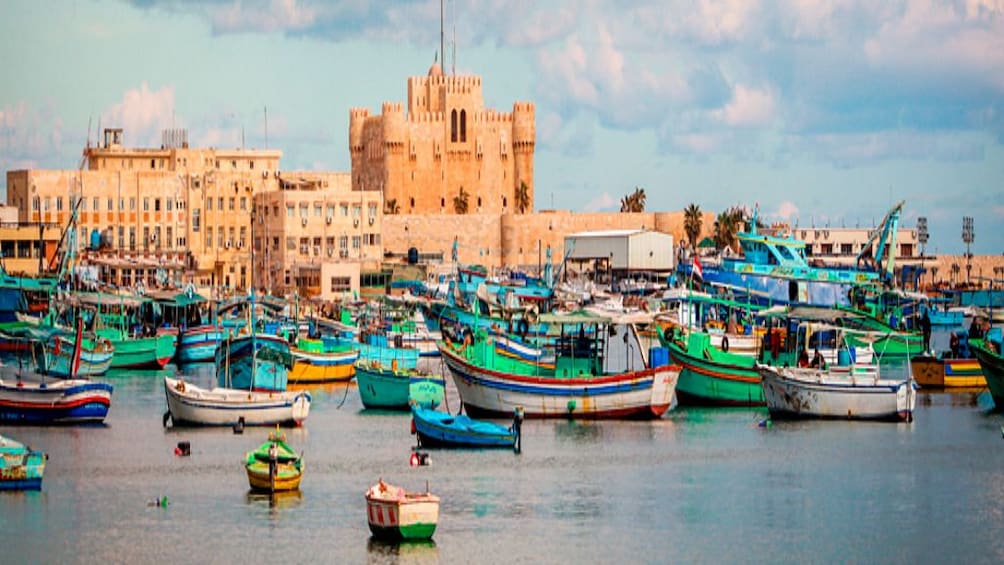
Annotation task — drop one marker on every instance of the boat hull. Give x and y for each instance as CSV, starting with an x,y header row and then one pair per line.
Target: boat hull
x,y
20,467
260,481
806,393
259,362
54,402
388,389
437,429
95,358
322,367
411,517
714,378
190,405
196,345
488,393
153,352
931,372
993,370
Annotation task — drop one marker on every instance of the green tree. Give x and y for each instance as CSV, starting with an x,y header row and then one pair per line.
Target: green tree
x,y
693,221
724,230
461,201
522,197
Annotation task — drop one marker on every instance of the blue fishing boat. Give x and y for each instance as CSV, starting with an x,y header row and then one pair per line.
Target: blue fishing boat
x,y
774,269
21,468
199,334
439,429
259,362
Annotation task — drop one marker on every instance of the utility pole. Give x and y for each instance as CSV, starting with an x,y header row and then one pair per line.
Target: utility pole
x,y
968,236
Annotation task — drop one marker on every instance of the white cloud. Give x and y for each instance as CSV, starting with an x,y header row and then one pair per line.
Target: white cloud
x,y
749,107
786,210
142,114
603,202
275,15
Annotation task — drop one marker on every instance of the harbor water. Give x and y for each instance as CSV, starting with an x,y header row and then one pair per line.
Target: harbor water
x,y
698,485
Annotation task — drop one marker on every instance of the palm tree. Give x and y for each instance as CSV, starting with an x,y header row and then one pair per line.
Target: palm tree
x,y
460,201
692,220
522,197
725,230
390,207
634,202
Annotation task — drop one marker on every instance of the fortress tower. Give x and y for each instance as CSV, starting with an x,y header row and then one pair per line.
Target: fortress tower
x,y
447,142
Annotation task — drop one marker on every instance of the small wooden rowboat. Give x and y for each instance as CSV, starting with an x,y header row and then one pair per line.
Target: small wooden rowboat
x,y
396,514
274,466
21,468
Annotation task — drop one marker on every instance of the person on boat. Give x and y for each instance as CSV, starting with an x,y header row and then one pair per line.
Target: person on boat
x,y
976,329
954,344
817,360
803,358
925,328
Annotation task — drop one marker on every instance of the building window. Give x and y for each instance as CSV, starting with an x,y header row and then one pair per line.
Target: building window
x,y
209,237
219,236
290,211
132,239
59,203
146,204
453,125
846,249
169,239
219,204
96,204
304,211
317,210
463,126
196,219
372,211
290,244
83,204
244,233
153,163
233,201
170,204
356,242
209,204
146,237
344,210
156,204
343,242
244,203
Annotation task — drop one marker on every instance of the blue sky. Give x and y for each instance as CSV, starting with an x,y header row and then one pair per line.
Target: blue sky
x,y
821,112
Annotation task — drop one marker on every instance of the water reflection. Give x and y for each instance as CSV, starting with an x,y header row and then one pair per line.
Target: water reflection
x,y
273,502
578,431
417,551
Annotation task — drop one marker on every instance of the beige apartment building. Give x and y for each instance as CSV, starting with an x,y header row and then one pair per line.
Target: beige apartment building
x,y
446,145
314,235
188,210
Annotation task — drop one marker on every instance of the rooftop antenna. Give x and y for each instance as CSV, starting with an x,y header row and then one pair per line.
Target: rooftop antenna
x,y
242,137
454,71
442,35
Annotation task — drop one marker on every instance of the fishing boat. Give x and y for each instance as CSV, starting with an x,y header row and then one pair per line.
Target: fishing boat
x,y
117,318
199,344
199,334
21,468
398,515
255,361
392,388
712,377
855,392
56,356
932,371
727,322
988,353
439,429
316,362
32,398
598,373
188,404
274,466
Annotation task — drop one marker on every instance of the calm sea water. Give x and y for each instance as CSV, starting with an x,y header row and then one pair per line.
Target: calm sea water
x,y
699,485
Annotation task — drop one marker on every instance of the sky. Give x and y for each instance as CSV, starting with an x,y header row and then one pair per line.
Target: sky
x,y
821,113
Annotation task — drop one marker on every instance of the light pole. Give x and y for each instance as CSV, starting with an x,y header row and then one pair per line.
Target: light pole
x,y
968,236
922,238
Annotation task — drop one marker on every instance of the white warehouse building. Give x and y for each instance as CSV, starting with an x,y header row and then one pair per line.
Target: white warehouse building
x,y
620,253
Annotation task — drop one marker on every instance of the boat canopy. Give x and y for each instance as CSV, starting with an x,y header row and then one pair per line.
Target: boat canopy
x,y
808,313
577,317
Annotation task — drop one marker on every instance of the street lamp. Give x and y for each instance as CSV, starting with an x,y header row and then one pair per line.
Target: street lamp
x,y
968,236
922,237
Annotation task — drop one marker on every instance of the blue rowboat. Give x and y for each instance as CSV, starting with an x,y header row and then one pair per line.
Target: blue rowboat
x,y
439,429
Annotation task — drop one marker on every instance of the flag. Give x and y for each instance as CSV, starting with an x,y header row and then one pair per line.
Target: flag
x,y
696,269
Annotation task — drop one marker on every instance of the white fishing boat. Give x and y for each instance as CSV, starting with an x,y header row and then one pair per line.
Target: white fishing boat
x,y
853,392
188,404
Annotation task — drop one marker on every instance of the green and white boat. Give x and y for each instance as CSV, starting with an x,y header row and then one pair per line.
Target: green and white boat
x,y
988,353
395,514
710,376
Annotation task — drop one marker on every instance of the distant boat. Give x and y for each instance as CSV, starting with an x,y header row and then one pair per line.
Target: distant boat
x,y
274,466
585,381
439,429
31,398
940,372
396,514
392,388
192,405
317,362
199,343
21,468
847,392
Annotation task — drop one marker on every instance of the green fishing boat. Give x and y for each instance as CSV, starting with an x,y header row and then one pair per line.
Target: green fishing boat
x,y
127,322
710,376
988,353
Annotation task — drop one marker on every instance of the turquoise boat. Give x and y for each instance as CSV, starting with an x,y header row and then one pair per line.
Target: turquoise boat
x,y
257,362
199,343
128,322
198,333
392,388
21,468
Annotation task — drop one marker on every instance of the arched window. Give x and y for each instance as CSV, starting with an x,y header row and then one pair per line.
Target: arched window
x,y
412,201
463,126
453,125
479,201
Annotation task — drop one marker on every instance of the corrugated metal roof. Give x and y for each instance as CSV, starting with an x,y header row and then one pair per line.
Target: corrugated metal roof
x,y
605,233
